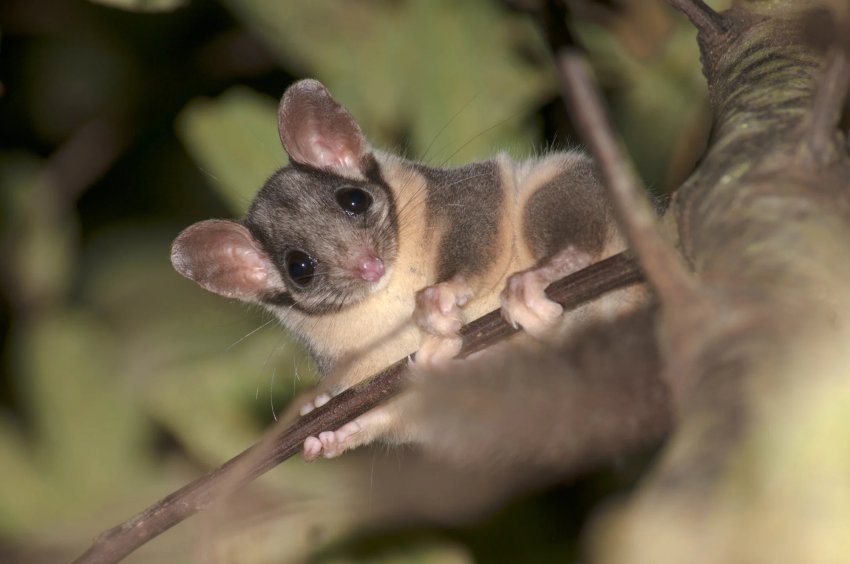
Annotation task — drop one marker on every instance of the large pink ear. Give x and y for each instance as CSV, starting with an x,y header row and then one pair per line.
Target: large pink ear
x,y
223,257
316,130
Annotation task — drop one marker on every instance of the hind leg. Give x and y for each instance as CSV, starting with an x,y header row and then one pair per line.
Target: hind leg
x,y
363,430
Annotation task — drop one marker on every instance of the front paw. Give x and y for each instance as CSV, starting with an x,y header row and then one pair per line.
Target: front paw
x,y
438,310
524,303
438,317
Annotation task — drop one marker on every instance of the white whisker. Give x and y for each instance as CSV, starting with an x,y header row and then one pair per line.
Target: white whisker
x,y
271,393
248,335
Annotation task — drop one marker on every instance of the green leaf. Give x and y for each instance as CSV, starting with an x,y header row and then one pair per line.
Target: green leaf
x,y
89,439
447,73
38,233
24,492
234,139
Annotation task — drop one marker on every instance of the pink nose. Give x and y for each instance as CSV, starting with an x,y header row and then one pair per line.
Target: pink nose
x,y
371,269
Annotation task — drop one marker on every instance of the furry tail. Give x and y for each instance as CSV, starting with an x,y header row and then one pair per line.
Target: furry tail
x,y
566,407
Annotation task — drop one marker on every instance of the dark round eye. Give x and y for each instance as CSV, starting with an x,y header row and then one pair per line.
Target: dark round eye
x,y
353,201
300,267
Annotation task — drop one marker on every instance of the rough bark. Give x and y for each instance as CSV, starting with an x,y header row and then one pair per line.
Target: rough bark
x,y
763,222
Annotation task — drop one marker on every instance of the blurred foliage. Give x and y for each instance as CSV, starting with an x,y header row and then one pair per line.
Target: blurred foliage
x,y
120,380
451,75
234,138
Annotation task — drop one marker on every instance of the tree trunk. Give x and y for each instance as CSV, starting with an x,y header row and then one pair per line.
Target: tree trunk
x,y
757,469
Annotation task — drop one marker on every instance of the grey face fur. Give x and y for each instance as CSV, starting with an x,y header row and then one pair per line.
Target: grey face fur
x,y
298,211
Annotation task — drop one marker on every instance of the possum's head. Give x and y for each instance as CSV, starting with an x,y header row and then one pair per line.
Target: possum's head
x,y
320,235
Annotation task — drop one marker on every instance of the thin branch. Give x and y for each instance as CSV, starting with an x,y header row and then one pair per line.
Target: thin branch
x,y
686,312
552,19
664,269
711,25
116,543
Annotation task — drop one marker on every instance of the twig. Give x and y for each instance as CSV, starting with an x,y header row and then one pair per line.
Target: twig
x,y
664,269
116,543
710,24
685,310
552,19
